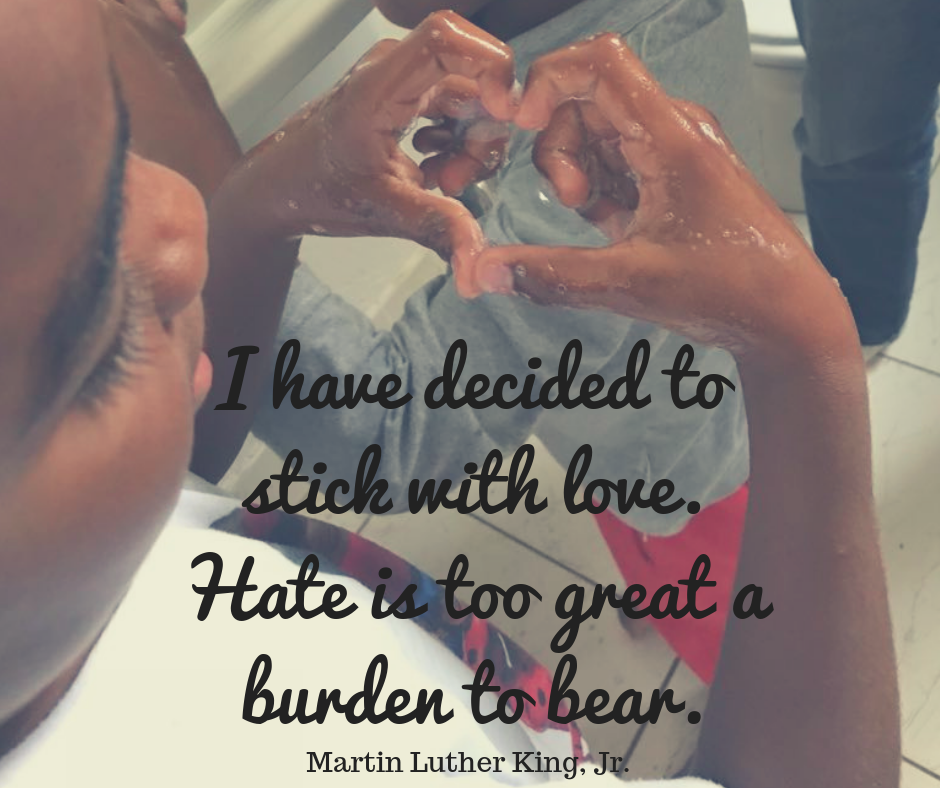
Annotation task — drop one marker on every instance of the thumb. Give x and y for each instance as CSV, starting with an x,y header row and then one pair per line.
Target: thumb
x,y
443,225
607,278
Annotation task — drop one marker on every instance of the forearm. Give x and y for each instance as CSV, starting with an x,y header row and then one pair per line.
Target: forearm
x,y
808,695
409,13
505,19
250,275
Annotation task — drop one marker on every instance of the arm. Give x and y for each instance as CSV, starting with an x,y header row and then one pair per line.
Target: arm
x,y
505,19
409,13
807,696
799,696
249,278
336,168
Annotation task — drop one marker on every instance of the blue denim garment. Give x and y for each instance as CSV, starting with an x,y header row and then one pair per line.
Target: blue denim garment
x,y
869,103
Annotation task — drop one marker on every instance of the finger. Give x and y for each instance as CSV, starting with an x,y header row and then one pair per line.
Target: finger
x,y
434,139
461,171
378,51
455,97
431,170
441,224
591,177
609,154
453,173
455,103
559,155
546,275
603,70
617,277
612,177
484,142
611,217
444,44
595,122
474,158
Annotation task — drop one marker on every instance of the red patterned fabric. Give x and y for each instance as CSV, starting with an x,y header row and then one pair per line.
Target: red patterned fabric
x,y
471,639
654,561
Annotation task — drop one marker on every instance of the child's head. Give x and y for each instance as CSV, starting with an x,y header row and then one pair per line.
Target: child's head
x,y
102,265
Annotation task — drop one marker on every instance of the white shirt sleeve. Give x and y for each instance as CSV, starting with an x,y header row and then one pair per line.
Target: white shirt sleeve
x,y
160,700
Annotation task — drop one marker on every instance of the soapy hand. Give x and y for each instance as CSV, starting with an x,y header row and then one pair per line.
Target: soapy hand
x,y
697,245
336,167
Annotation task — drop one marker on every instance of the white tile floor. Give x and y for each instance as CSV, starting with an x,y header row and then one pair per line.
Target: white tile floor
x,y
555,549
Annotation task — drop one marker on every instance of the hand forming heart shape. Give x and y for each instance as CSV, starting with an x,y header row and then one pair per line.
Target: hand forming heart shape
x,y
696,244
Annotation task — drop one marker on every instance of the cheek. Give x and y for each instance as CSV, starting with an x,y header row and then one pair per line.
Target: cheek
x,y
84,518
120,470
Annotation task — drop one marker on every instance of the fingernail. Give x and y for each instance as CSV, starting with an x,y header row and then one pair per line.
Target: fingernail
x,y
515,96
495,279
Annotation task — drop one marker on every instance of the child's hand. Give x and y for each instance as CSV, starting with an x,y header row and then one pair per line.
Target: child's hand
x,y
698,246
336,167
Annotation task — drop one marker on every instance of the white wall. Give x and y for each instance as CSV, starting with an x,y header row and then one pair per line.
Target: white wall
x,y
372,29
199,10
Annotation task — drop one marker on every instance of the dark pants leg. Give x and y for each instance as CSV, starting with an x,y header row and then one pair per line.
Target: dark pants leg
x,y
865,217
869,101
